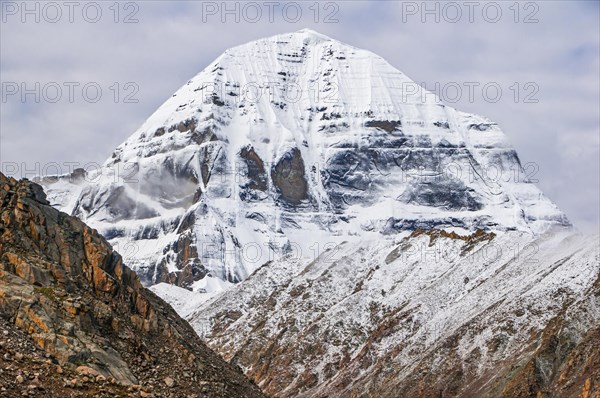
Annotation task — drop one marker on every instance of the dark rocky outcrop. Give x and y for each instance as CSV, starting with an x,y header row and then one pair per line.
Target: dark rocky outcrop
x,y
255,169
446,194
389,126
184,254
288,177
65,289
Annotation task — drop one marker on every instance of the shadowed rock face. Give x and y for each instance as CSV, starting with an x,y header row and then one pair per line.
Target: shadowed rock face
x,y
121,206
256,170
386,125
446,194
64,286
288,178
185,255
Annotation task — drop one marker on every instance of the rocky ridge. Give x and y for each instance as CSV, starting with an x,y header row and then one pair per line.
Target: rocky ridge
x,y
65,289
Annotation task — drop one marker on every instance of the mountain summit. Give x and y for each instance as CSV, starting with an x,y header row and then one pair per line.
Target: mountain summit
x,y
290,145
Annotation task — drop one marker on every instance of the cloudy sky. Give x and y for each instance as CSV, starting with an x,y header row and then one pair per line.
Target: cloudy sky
x,y
543,55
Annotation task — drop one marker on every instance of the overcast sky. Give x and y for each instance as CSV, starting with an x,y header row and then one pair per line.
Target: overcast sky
x,y
543,55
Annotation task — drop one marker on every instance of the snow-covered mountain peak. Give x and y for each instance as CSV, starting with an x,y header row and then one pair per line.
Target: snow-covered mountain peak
x,y
285,80
311,34
291,143
303,36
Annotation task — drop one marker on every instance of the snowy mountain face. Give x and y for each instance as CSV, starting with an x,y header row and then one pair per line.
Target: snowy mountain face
x,y
291,145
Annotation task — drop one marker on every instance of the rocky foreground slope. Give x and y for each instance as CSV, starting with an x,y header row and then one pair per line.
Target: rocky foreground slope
x,y
75,321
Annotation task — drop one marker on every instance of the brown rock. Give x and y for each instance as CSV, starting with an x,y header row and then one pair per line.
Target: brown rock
x,y
86,370
256,174
169,382
288,177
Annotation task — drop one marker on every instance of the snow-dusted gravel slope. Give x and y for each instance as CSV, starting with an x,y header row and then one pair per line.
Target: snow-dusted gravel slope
x,y
429,315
